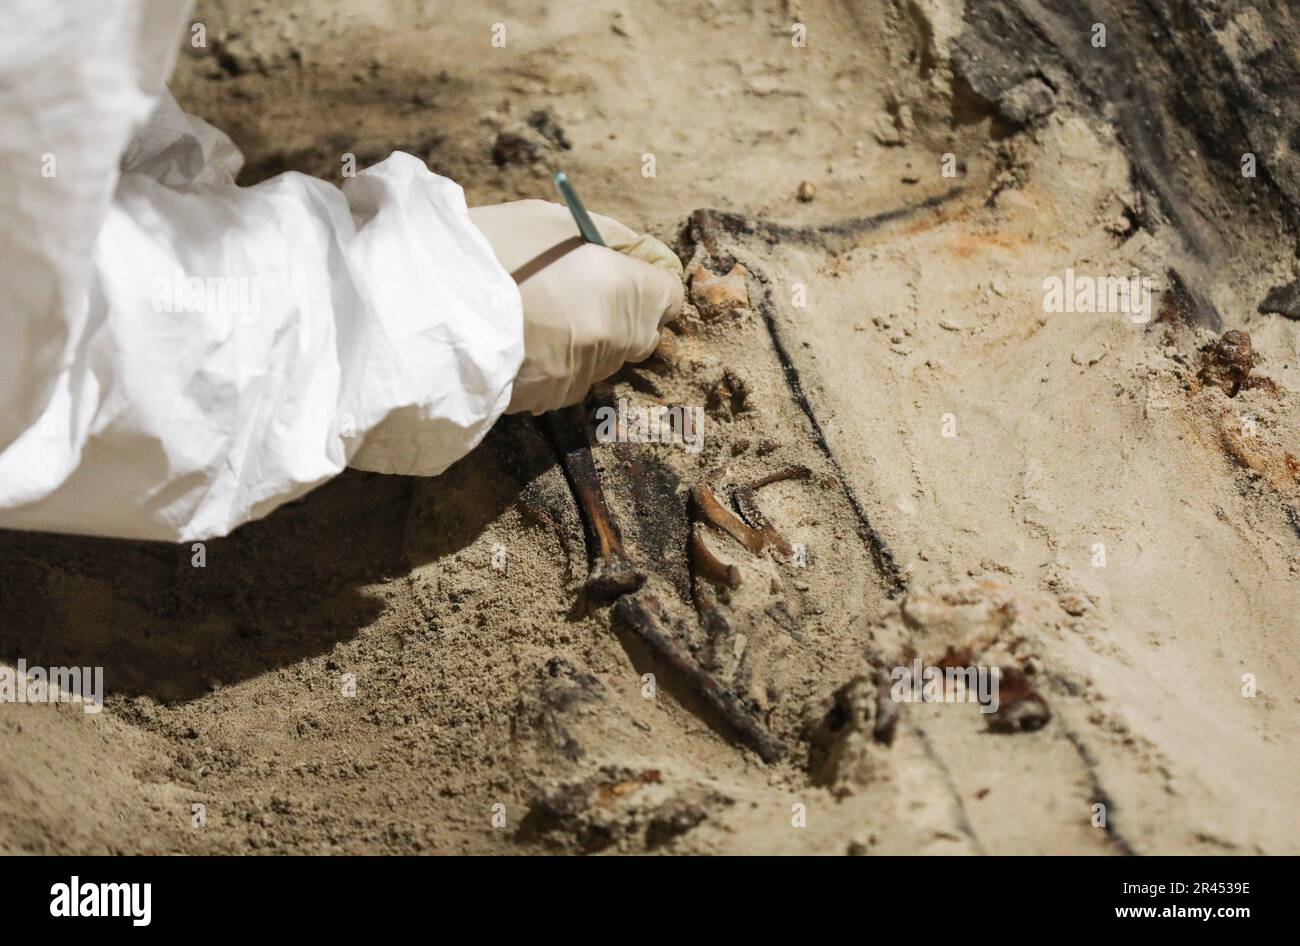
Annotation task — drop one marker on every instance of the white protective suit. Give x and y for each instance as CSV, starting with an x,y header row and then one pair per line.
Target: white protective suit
x,y
181,355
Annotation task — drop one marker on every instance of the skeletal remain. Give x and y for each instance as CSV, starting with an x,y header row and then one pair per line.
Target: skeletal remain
x,y
611,574
644,616
749,507
706,507
710,579
709,574
757,534
716,294
705,563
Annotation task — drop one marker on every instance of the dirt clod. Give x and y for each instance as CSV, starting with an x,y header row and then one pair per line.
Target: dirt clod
x,y
511,148
1227,361
1283,300
728,397
848,742
1021,708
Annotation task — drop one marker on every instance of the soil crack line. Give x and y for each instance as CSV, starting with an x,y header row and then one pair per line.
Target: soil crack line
x,y
963,819
1099,793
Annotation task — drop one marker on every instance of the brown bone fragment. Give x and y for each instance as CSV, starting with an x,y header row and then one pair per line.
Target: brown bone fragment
x,y
644,616
749,508
1227,362
704,563
718,294
611,574
1021,708
708,508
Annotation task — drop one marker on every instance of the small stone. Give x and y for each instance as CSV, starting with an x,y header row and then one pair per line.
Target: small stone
x,y
1227,361
887,133
1074,604
807,191
1025,103
1087,357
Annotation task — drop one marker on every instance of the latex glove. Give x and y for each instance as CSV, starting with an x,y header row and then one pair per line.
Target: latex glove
x,y
587,309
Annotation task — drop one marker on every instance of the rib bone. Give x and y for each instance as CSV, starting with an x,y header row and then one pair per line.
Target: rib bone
x,y
704,563
708,508
757,534
748,507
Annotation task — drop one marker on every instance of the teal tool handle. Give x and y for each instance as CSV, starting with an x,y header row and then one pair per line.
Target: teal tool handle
x,y
580,215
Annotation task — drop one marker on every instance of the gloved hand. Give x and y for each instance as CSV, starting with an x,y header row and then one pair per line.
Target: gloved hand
x,y
587,309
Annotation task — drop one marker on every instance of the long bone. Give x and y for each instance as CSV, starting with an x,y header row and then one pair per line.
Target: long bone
x,y
611,573
644,616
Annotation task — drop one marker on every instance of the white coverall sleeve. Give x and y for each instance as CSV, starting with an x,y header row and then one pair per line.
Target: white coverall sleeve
x,y
182,355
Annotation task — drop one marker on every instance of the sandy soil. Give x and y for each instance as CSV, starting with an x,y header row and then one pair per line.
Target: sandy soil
x,y
1070,497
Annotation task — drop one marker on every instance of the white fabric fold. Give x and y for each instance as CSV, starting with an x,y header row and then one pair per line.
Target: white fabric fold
x,y
183,355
